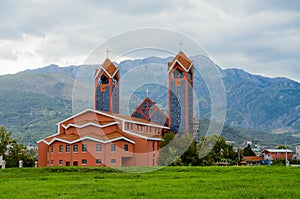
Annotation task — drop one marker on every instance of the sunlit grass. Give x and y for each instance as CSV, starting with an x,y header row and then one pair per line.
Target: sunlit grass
x,y
169,182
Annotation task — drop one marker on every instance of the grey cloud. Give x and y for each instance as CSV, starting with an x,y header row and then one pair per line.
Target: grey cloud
x,y
263,31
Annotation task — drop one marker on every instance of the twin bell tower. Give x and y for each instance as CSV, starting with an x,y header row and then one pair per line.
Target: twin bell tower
x,y
180,93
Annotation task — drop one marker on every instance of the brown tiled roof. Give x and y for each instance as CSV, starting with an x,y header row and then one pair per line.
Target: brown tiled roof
x,y
109,66
67,137
252,158
97,122
183,59
106,137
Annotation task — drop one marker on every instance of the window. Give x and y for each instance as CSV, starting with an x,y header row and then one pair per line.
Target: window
x,y
147,128
98,161
75,163
61,148
83,161
52,149
67,148
177,74
113,147
52,162
113,161
60,162
125,147
98,147
153,145
84,147
103,80
75,148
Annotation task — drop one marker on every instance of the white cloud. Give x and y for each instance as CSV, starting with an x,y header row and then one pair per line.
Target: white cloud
x,y
249,34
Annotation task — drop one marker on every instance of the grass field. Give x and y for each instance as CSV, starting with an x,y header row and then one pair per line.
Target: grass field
x,y
169,182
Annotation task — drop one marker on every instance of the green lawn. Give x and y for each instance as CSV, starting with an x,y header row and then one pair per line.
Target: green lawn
x,y
169,182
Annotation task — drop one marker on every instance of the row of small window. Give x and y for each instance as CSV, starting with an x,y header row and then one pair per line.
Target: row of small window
x,y
84,148
83,162
129,126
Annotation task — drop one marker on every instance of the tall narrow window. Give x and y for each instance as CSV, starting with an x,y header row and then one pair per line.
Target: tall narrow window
x,y
75,148
153,145
52,149
125,147
84,148
67,148
98,147
113,147
61,148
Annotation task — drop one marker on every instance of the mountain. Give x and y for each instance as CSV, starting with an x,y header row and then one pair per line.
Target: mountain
x,y
33,101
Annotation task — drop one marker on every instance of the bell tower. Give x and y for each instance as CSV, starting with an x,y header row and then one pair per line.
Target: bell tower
x,y
107,87
180,94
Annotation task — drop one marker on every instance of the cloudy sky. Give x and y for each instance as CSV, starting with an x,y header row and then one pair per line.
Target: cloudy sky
x,y
259,36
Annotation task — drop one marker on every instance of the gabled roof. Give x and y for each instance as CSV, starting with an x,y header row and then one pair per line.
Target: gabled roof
x,y
108,67
116,116
183,61
146,109
252,158
73,138
86,123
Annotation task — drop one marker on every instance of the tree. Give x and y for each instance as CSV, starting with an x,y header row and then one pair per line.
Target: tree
x,y
19,152
282,147
191,156
176,150
13,152
5,140
214,149
248,151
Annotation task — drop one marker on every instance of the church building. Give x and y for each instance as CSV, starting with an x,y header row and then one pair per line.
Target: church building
x,y
102,136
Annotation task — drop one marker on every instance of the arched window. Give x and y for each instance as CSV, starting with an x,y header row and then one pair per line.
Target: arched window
x,y
177,74
103,80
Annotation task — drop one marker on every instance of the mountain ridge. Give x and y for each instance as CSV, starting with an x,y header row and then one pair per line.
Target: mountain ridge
x,y
253,101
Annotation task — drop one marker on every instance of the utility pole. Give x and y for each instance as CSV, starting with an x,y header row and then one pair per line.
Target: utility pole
x,y
286,156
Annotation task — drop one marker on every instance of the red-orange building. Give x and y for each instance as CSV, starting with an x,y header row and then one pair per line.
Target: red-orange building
x,y
274,154
105,137
97,138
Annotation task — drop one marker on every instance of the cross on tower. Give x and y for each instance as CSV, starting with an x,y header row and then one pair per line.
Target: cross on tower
x,y
107,51
180,45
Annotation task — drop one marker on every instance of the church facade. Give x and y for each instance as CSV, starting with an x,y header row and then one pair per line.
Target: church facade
x,y
102,136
